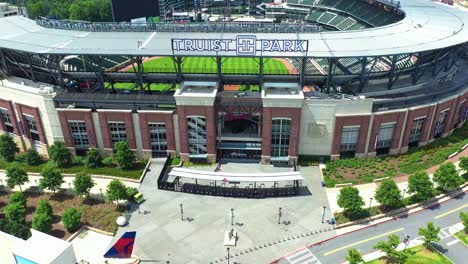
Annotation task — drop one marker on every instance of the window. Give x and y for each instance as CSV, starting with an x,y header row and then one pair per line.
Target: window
x,y
117,132
349,138
416,130
196,129
440,125
32,127
158,138
280,135
79,134
385,135
458,115
7,120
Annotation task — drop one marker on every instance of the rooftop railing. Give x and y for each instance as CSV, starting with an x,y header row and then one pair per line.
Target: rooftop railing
x,y
220,27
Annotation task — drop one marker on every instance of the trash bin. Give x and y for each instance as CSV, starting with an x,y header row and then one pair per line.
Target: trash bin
x,y
323,183
333,221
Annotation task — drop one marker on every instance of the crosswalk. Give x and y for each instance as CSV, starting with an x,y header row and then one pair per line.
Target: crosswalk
x,y
303,257
444,233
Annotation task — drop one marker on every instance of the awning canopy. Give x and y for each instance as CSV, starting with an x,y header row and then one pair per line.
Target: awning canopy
x,y
235,177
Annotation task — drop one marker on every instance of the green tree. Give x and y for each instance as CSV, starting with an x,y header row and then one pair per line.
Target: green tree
x,y
16,213
124,156
44,207
116,191
354,256
82,184
52,179
350,200
390,249
420,184
18,198
464,218
429,233
91,10
464,164
15,229
33,158
93,159
71,219
42,222
8,148
446,176
36,9
131,191
60,154
16,175
388,194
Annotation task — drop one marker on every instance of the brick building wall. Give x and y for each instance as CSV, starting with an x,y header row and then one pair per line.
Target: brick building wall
x,y
342,121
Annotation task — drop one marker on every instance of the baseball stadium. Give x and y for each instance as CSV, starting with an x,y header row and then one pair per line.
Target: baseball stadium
x,y
327,78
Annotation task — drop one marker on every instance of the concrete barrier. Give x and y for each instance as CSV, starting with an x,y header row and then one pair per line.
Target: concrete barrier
x,y
343,185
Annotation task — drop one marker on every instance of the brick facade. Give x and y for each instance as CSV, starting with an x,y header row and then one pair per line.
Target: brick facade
x,y
23,110
78,115
398,118
342,121
11,111
414,114
439,108
116,116
166,118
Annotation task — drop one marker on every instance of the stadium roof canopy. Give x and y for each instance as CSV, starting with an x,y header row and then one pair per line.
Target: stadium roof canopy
x,y
427,26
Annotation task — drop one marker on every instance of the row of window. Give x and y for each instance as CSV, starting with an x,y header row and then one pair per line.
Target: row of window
x,y
30,123
350,134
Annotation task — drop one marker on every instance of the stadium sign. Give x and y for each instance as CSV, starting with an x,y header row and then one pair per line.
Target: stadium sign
x,y
243,45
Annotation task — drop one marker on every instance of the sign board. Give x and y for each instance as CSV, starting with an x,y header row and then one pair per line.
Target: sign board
x,y
242,45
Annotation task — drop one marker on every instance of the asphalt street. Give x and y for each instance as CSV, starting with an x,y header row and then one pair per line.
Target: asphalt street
x,y
336,249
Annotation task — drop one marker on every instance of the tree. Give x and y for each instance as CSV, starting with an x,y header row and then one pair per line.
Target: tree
x,y
464,218
91,10
388,194
83,184
420,184
60,154
15,229
350,200
389,248
44,207
93,159
16,213
464,164
354,256
16,175
446,176
42,222
18,198
8,148
33,158
429,233
116,191
71,219
124,156
52,179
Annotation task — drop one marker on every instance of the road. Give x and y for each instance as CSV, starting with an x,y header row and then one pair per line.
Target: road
x,y
336,249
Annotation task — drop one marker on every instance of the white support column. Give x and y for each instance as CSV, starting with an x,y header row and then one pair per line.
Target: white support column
x,y
97,129
369,132
403,129
137,132
175,123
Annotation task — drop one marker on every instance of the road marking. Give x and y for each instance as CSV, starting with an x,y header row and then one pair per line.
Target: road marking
x,y
452,242
363,241
451,211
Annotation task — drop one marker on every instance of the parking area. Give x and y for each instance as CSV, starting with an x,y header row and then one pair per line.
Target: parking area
x,y
163,237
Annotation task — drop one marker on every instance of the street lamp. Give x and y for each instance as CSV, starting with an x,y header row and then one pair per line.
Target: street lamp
x,y
181,212
228,256
102,196
3,187
370,203
232,218
323,213
69,187
403,196
279,215
37,186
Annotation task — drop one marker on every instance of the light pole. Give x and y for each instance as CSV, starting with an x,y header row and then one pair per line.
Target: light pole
x,y
279,215
69,187
403,196
370,203
3,187
37,186
323,213
232,218
102,196
228,256
181,212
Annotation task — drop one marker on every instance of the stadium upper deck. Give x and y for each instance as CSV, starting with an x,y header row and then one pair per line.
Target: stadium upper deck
x,y
426,26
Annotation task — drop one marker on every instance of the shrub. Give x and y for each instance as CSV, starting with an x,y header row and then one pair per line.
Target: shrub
x,y
354,256
42,222
15,229
44,207
8,148
388,194
16,213
33,157
124,156
52,179
446,177
16,175
350,200
93,159
464,219
116,191
83,184
60,154
18,198
78,161
71,219
131,191
108,161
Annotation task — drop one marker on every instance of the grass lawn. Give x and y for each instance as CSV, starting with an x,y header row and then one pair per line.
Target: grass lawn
x,y
462,236
153,86
94,213
420,255
356,170
133,173
208,65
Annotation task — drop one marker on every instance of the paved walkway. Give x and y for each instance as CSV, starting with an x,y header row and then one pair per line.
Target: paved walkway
x,y
163,237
